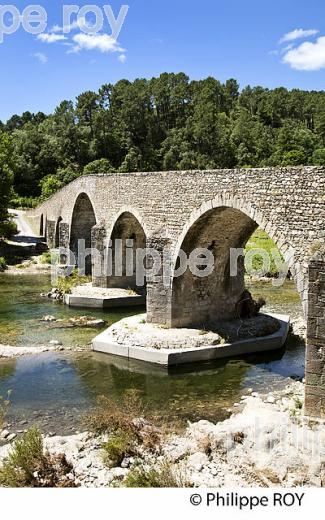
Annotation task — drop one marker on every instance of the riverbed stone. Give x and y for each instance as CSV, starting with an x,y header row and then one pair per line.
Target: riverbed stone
x,y
197,461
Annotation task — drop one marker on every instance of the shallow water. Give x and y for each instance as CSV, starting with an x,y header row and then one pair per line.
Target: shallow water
x,y
55,390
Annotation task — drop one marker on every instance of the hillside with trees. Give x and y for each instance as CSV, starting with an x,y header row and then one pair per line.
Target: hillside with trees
x,y
165,123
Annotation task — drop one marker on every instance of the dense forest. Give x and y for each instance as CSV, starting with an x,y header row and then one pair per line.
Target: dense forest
x,y
164,123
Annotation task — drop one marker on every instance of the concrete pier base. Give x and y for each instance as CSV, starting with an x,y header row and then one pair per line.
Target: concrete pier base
x,y
131,338
88,297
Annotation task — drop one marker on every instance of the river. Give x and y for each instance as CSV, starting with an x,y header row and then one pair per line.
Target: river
x,y
55,390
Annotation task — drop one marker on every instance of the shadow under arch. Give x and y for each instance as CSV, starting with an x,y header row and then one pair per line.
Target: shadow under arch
x,y
41,227
57,233
218,226
127,236
82,221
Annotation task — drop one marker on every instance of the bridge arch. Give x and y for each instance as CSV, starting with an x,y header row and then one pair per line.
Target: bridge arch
x,y
126,236
82,221
57,233
219,225
41,226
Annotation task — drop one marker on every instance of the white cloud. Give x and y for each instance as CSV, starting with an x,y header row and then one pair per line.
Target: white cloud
x,y
307,56
122,58
42,58
50,38
99,42
71,27
297,34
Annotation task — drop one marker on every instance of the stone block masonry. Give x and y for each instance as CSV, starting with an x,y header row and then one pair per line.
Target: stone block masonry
x,y
217,210
315,356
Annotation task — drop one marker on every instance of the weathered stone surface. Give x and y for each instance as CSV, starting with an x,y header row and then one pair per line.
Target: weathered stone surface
x,y
211,209
315,357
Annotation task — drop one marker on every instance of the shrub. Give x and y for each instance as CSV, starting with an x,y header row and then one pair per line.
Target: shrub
x,y
4,405
111,417
128,431
164,476
119,445
27,465
8,228
3,263
50,185
66,283
18,202
49,257
98,166
261,240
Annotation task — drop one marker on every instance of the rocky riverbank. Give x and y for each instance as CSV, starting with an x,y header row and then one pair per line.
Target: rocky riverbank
x,y
265,442
9,351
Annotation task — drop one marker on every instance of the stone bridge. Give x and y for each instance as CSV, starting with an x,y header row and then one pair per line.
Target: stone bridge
x,y
217,210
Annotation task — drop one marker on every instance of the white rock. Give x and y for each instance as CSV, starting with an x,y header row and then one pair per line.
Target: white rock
x,y
55,343
4,434
11,437
197,461
119,473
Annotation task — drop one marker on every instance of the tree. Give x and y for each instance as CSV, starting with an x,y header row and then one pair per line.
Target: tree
x,y
165,123
319,157
6,181
99,166
50,185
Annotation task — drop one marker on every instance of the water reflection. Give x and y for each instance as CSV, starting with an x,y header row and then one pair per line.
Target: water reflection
x,y
55,390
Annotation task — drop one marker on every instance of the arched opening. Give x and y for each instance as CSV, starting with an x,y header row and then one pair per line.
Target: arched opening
x,y
205,300
41,227
127,238
57,233
83,220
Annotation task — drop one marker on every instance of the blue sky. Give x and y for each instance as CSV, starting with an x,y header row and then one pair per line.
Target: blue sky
x,y
222,38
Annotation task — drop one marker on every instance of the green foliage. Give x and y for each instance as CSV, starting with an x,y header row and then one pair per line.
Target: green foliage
x,y
18,202
165,123
3,263
49,186
66,283
4,406
319,157
46,258
27,465
8,228
261,240
98,166
119,445
109,416
6,181
163,476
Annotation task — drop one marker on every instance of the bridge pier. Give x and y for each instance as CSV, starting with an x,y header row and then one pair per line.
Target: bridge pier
x,y
159,285
50,233
99,245
64,243
315,355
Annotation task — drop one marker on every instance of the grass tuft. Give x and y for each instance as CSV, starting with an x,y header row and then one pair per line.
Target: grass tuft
x,y
4,405
163,476
28,465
